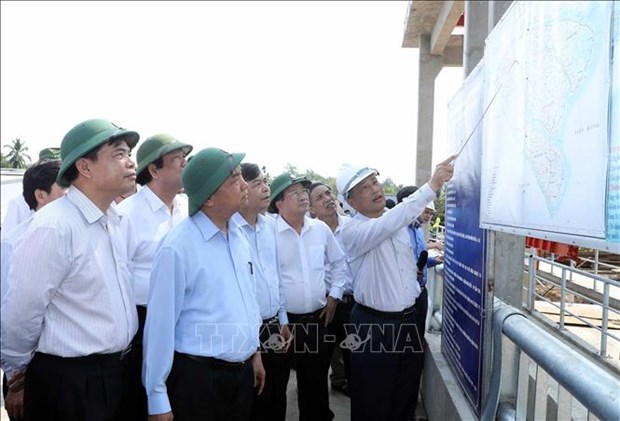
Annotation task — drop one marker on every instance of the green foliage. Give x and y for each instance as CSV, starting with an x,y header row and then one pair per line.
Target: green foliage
x,y
17,156
268,177
390,188
440,206
4,163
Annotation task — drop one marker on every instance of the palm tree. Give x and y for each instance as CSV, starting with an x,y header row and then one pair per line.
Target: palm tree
x,y
17,154
3,162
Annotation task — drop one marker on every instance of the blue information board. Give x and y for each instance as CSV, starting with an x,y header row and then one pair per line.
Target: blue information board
x,y
465,243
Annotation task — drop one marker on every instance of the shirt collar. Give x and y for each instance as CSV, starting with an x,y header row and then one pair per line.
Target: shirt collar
x,y
90,211
208,229
282,225
240,220
261,220
154,202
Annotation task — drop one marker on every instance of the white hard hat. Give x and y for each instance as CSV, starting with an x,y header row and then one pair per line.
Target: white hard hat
x,y
351,175
431,206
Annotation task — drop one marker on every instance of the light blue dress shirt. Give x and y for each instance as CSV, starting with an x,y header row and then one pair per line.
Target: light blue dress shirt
x,y
202,299
418,242
265,266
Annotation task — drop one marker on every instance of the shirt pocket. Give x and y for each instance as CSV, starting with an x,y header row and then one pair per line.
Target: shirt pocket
x,y
317,257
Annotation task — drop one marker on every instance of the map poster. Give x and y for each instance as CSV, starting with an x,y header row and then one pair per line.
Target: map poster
x,y
546,136
464,252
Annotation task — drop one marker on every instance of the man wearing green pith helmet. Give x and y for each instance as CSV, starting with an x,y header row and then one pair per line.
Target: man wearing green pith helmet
x,y
201,356
74,306
148,216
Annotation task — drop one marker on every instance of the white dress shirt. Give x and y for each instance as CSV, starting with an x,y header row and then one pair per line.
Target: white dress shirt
x,y
17,211
146,221
7,243
380,255
348,285
305,260
68,291
262,240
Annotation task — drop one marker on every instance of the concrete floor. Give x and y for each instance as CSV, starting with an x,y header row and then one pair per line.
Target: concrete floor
x,y
339,403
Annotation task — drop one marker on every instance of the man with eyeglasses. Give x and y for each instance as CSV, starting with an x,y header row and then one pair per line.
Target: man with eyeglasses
x,y
149,215
307,253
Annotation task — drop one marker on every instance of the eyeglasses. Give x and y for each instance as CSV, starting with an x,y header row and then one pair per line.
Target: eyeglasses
x,y
296,193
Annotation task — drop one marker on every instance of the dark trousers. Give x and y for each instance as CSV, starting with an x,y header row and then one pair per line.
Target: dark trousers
x,y
311,365
202,389
386,365
271,404
74,389
135,405
342,317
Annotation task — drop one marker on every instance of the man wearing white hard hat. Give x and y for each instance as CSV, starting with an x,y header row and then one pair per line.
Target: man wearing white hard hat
x,y
387,360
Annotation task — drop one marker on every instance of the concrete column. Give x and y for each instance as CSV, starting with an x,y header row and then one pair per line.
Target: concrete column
x,y
429,67
476,30
497,8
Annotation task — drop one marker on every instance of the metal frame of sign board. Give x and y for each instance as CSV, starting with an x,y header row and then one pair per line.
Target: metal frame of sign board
x,y
589,242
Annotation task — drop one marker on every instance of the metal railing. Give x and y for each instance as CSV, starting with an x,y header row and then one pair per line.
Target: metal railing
x,y
550,374
569,288
597,264
559,375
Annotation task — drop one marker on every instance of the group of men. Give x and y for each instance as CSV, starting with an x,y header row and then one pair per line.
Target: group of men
x,y
195,306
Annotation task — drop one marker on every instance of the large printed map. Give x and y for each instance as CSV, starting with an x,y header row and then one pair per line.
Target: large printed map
x,y
545,153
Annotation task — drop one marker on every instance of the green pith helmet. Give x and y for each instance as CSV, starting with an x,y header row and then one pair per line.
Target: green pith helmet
x,y
49,154
205,173
157,146
281,183
87,136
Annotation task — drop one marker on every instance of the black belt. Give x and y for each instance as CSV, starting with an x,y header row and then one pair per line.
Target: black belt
x,y
96,358
347,299
271,321
311,315
216,363
409,311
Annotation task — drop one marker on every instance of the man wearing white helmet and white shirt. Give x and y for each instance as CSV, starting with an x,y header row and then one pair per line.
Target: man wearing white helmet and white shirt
x,y
386,363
